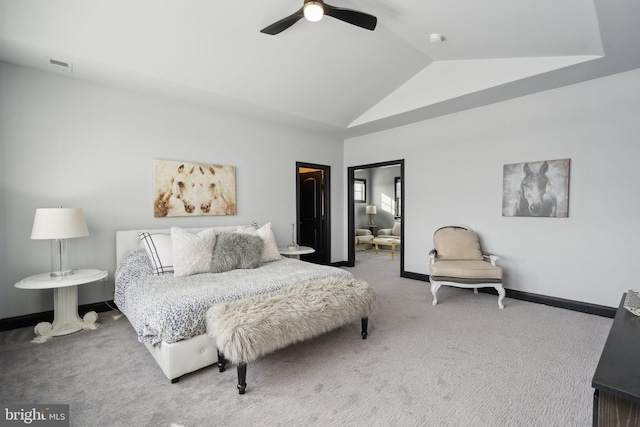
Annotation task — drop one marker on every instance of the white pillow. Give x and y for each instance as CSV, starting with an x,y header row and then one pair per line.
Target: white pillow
x,y
270,249
158,246
192,253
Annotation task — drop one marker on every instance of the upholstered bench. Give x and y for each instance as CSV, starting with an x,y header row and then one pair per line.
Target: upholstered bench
x,y
247,329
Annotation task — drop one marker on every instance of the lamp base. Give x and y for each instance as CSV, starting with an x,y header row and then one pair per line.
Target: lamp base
x,y
65,316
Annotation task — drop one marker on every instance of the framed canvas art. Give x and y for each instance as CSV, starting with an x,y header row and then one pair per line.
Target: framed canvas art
x,y
536,189
193,189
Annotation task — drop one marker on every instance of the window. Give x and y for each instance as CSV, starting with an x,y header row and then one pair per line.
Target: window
x,y
398,195
360,190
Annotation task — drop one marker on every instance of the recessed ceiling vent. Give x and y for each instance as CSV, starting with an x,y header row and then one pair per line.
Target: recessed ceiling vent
x,y
60,66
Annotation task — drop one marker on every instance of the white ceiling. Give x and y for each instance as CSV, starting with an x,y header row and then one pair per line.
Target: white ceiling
x,y
327,76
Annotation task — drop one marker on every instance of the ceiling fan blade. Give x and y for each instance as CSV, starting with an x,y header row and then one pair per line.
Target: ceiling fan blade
x,y
361,19
283,24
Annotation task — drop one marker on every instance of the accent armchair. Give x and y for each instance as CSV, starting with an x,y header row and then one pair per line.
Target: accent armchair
x,y
391,233
456,260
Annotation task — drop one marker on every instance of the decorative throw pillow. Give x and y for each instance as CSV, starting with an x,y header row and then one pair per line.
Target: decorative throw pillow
x,y
270,249
158,246
236,250
192,253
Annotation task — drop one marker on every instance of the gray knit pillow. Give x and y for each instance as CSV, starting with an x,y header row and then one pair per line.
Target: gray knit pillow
x,y
235,250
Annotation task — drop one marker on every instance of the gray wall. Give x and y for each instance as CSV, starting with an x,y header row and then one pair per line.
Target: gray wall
x,y
453,175
75,143
78,144
382,193
380,186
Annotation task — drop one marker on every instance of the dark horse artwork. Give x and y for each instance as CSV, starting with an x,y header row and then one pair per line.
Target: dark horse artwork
x,y
534,198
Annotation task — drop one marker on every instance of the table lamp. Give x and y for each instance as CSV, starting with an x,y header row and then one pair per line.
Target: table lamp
x,y
58,225
371,211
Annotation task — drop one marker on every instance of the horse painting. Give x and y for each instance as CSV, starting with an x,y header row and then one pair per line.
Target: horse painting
x,y
535,199
193,189
536,189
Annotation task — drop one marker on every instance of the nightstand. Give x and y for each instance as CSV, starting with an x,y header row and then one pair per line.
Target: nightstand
x,y
65,302
295,253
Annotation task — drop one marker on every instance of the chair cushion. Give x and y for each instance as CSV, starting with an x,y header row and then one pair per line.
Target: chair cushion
x,y
457,244
465,269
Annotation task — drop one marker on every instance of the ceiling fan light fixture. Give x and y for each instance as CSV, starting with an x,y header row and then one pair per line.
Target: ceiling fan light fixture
x,y
313,11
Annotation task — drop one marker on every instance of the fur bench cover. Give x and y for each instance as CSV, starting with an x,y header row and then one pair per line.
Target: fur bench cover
x,y
247,329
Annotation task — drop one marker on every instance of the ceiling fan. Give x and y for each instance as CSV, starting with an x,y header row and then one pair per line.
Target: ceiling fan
x,y
314,10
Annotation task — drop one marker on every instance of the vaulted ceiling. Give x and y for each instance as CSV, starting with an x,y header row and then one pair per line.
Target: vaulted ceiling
x,y
327,76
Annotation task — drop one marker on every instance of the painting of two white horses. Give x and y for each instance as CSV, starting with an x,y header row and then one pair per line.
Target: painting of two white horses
x,y
193,189
536,189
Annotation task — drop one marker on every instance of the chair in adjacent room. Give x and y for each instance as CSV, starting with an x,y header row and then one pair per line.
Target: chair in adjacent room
x,y
391,233
457,260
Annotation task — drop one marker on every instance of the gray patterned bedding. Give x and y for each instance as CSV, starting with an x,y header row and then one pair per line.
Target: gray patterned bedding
x,y
170,309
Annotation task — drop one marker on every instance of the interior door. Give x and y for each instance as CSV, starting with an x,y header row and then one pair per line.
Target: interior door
x,y
312,220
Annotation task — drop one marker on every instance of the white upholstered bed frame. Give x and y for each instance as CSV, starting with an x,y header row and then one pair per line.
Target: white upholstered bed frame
x,y
182,357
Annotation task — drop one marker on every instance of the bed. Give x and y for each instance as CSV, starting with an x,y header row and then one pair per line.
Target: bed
x,y
168,313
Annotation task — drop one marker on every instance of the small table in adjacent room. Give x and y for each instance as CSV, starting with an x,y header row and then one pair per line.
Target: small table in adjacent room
x,y
295,253
617,376
385,242
65,302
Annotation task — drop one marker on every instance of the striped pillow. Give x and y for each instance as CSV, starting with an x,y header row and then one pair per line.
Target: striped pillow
x,y
159,249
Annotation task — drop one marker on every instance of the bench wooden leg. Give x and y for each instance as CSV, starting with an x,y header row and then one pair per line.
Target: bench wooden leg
x,y
365,324
222,362
242,377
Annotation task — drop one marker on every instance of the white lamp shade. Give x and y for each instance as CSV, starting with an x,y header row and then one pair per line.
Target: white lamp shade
x,y
58,223
371,210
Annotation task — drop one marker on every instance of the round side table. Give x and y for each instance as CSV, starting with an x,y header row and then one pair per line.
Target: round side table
x,y
295,253
65,302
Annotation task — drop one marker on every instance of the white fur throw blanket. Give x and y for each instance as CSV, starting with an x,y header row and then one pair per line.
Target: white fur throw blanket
x,y
247,329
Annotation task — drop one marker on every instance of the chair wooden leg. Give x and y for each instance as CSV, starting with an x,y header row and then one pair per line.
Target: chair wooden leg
x,y
501,294
434,288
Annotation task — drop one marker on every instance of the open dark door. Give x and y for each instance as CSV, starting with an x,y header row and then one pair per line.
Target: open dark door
x,y
312,207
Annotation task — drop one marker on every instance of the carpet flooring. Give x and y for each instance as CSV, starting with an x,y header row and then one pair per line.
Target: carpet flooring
x,y
463,362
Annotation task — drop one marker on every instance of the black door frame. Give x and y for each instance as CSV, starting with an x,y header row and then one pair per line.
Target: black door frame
x,y
351,260
326,223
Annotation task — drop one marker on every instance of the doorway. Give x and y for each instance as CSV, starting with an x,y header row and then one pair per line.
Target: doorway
x,y
399,203
312,201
